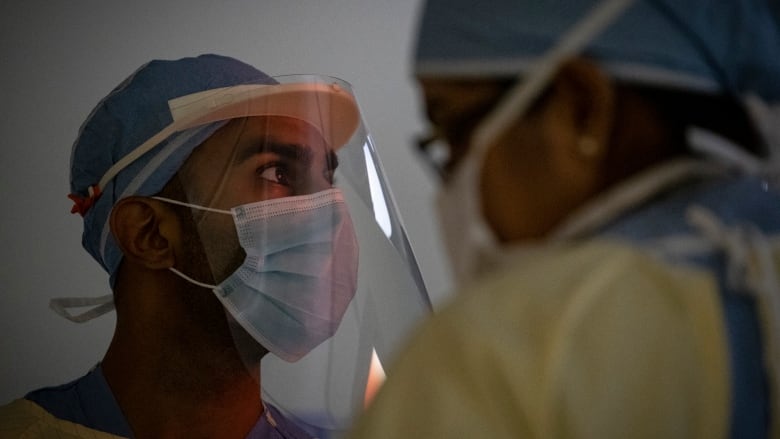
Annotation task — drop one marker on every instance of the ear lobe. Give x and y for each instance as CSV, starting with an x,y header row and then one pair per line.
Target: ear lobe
x,y
136,226
591,97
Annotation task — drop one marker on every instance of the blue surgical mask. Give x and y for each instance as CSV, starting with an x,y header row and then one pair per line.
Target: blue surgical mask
x,y
299,274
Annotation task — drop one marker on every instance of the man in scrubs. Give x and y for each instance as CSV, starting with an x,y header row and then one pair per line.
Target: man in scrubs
x,y
610,202
211,194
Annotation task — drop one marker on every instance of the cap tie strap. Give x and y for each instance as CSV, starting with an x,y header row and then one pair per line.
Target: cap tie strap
x,y
98,306
82,204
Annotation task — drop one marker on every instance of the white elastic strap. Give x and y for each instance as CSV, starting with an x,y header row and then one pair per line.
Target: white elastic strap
x,y
101,305
517,100
143,175
752,269
193,206
766,116
625,196
133,155
181,117
722,150
191,280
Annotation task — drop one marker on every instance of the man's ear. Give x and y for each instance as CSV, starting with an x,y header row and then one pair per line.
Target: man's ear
x,y
590,108
142,230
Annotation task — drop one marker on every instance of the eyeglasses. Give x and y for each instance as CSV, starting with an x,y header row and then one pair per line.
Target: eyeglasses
x,y
444,146
454,120
435,153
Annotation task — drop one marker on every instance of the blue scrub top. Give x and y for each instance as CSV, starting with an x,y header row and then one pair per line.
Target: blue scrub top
x,y
88,401
734,201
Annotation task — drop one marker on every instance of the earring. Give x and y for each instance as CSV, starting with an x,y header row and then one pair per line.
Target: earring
x,y
588,147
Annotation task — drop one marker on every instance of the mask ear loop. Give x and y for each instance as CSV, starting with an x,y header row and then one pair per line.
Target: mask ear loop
x,y
223,181
196,207
517,100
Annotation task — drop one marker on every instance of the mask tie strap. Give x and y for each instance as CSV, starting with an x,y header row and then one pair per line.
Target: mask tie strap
x,y
104,304
100,305
722,150
752,259
517,100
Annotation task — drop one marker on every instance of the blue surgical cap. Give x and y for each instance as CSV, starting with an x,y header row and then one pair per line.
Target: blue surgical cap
x,y
133,112
713,46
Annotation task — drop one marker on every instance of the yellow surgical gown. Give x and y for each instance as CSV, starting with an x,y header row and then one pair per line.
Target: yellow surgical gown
x,y
590,341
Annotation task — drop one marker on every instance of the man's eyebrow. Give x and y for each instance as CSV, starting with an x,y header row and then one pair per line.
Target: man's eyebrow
x,y
297,152
301,154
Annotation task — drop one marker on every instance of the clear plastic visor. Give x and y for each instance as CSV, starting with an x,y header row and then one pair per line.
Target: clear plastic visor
x,y
298,232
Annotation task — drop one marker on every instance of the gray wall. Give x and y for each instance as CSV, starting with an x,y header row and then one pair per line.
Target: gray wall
x,y
60,57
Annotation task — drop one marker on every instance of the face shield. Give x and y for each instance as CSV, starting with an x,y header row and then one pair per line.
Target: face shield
x,y
299,238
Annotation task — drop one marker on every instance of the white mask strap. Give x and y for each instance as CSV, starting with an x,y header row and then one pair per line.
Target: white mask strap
x,y
194,206
722,150
191,280
766,117
104,304
101,304
515,103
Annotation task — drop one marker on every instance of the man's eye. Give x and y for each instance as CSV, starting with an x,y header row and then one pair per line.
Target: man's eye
x,y
276,173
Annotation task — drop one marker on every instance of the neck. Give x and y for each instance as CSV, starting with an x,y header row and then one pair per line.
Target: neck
x,y
182,394
175,372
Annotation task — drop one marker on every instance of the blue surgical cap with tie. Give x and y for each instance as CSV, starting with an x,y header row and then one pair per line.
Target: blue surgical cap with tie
x,y
133,112
723,46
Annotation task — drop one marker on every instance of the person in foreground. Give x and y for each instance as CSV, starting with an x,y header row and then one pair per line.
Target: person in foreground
x,y
611,206
208,194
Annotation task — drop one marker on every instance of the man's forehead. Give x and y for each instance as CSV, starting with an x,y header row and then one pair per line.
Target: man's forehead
x,y
253,132
250,135
279,127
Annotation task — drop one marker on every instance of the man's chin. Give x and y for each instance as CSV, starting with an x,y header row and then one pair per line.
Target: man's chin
x,y
250,351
